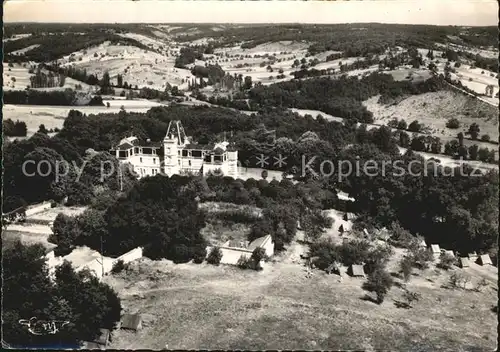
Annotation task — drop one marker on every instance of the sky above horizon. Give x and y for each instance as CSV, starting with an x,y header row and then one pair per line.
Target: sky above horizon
x,y
433,12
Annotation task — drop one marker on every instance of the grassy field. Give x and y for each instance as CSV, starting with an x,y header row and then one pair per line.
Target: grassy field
x,y
192,306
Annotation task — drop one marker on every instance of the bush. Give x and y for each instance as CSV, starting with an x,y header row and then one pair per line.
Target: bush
x,y
453,123
458,280
380,282
354,252
446,261
215,256
118,267
485,138
254,261
406,266
410,297
421,258
415,126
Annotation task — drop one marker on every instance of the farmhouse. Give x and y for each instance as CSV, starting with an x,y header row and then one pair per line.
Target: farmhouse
x,y
232,251
86,258
180,155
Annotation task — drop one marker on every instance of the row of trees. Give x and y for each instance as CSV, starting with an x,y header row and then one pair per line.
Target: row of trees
x,y
14,129
34,97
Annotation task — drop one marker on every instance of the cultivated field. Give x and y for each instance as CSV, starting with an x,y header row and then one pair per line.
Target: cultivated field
x,y
54,116
18,78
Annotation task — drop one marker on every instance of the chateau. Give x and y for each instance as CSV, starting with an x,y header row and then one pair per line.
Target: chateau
x,y
177,154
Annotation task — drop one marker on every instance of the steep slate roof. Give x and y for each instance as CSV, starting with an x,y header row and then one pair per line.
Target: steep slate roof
x,y
259,242
131,321
124,146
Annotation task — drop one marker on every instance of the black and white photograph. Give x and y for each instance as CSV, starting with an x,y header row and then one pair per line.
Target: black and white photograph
x,y
250,175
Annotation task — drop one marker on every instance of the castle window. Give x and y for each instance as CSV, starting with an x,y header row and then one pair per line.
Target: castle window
x,y
189,162
140,160
154,160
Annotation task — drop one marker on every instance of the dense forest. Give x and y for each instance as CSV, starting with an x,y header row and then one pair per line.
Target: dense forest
x,y
353,40
56,45
66,97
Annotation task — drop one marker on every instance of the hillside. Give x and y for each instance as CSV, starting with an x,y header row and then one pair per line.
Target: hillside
x,y
226,308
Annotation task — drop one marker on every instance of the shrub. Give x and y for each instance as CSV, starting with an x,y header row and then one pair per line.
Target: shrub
x,y
215,256
446,261
354,252
458,280
453,123
406,266
421,257
485,138
481,284
118,267
254,261
380,282
410,297
400,237
415,126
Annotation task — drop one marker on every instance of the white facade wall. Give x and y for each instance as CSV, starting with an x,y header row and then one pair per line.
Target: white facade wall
x,y
231,255
171,156
269,248
190,164
146,164
38,208
130,256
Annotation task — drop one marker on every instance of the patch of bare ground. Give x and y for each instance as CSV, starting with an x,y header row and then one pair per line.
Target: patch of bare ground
x,y
191,306
435,109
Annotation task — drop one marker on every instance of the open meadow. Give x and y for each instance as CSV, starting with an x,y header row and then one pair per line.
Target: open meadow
x,y
192,306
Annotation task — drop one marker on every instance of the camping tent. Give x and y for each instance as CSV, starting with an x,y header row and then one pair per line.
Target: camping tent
x,y
356,270
131,322
484,259
464,262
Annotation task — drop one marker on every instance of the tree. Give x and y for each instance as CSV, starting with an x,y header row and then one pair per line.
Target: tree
x,y
446,261
62,80
264,174
42,129
460,137
406,266
453,123
79,298
215,256
248,82
485,138
474,130
402,125
380,282
415,126
119,79
473,152
65,232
